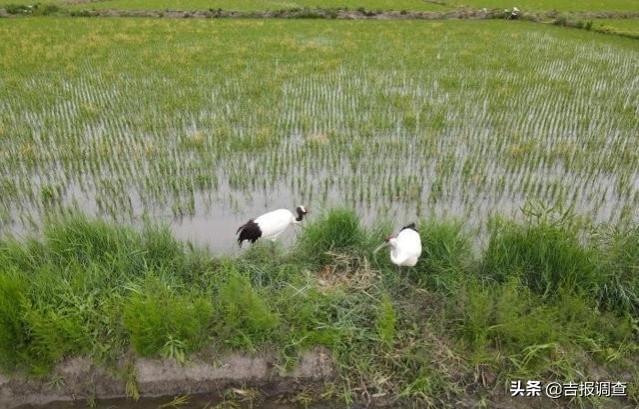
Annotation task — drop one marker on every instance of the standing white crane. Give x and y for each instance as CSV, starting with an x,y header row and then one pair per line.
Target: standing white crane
x,y
406,246
269,225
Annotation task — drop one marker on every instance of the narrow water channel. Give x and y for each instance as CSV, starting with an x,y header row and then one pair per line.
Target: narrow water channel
x,y
188,402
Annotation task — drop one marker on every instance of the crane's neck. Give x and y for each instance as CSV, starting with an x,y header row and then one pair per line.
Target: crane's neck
x,y
395,254
395,257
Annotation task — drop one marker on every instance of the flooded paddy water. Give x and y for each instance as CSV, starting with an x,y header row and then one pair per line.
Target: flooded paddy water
x,y
393,127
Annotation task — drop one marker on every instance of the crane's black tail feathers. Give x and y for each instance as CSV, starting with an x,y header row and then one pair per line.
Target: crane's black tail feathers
x,y
249,231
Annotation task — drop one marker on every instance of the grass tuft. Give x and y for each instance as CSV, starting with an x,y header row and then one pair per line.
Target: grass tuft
x,y
447,252
386,321
546,257
13,337
161,320
620,265
247,318
337,231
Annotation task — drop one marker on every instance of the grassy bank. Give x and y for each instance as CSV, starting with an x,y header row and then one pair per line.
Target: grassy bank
x,y
542,300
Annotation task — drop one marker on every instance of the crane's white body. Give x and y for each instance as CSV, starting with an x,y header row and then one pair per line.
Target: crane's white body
x,y
269,225
274,223
405,248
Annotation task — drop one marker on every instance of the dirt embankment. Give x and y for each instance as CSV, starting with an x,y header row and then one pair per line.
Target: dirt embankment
x,y
358,14
317,13
79,378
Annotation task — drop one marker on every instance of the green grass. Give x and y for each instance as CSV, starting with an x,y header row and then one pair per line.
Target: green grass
x,y
338,232
110,293
161,321
447,250
248,318
544,256
620,26
454,128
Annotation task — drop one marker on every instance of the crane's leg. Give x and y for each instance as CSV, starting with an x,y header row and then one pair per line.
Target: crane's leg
x,y
403,278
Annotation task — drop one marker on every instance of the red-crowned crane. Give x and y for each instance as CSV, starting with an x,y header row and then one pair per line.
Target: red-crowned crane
x,y
406,246
269,225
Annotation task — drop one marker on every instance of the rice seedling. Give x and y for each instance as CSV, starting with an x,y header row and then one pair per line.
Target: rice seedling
x,y
176,403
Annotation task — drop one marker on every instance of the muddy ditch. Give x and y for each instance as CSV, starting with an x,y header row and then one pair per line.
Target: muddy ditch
x,y
79,379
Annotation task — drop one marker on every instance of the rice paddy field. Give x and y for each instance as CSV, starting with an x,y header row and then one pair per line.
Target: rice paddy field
x,y
131,149
207,122
623,26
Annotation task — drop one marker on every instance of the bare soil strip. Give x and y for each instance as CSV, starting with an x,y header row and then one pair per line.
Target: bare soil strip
x,y
342,14
360,14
